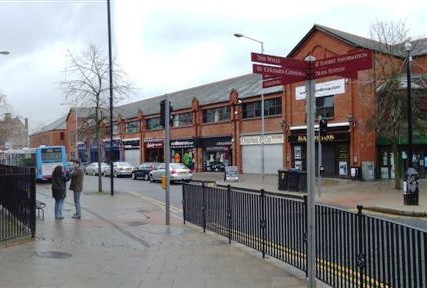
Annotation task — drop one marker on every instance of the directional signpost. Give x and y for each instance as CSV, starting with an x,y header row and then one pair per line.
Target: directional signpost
x,y
277,71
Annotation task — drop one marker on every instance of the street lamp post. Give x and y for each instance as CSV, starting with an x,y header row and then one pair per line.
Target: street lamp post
x,y
238,35
410,182
408,90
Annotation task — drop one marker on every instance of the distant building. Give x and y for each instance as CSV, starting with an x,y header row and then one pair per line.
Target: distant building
x,y
52,134
13,133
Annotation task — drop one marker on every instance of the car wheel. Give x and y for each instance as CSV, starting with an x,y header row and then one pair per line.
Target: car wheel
x,y
146,177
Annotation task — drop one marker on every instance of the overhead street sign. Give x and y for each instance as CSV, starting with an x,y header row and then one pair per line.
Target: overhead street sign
x,y
360,60
281,81
281,71
278,71
279,61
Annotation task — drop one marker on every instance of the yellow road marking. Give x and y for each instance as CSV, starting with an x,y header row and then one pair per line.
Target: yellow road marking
x,y
157,202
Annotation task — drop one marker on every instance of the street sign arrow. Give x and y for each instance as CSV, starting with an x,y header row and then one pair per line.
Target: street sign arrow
x,y
279,81
278,71
361,59
279,61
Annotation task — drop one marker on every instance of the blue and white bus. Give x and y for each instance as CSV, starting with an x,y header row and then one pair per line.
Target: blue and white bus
x,y
43,158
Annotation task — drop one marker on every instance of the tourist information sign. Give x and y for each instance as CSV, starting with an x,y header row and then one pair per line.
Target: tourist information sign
x,y
276,70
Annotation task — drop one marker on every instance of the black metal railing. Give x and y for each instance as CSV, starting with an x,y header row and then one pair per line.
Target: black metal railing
x,y
352,249
17,202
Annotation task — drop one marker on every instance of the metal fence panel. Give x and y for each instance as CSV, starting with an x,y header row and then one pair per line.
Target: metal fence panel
x,y
17,202
352,249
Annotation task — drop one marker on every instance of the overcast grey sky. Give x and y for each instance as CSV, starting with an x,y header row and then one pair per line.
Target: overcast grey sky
x,y
165,45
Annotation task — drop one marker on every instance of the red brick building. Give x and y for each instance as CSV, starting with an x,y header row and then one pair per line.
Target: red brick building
x,y
219,124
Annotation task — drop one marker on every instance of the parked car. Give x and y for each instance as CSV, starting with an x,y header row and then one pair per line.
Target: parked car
x,y
92,168
120,169
143,170
178,172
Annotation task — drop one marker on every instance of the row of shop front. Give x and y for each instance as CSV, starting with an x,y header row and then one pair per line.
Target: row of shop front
x,y
215,153
207,154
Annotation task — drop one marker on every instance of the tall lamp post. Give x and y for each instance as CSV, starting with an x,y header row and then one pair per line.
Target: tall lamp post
x,y
238,35
410,182
408,47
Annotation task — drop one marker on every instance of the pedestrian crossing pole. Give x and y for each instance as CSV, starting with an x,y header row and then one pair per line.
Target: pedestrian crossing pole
x,y
311,165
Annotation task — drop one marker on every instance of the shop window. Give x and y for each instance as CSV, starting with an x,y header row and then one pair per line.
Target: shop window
x,y
216,114
271,107
153,123
325,106
183,119
132,126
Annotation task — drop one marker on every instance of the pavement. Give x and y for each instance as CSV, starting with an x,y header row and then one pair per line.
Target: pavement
x,y
378,196
122,241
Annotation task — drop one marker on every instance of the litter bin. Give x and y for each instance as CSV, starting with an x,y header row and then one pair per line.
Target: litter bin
x,y
283,180
411,187
297,181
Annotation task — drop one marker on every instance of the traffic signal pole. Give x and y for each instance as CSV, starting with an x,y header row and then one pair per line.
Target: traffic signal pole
x,y
167,152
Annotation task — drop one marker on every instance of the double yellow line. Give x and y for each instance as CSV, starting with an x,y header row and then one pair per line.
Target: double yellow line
x,y
157,202
346,273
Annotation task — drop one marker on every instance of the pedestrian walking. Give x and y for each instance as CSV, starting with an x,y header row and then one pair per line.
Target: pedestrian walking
x,y
76,186
58,190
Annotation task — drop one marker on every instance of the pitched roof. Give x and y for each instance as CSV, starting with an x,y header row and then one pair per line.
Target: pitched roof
x,y
419,46
59,124
246,85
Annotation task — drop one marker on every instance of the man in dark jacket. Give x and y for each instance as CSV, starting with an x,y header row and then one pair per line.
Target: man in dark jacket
x,y
76,186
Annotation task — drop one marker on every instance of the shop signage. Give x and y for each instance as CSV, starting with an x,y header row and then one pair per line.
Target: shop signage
x,y
322,89
215,141
182,143
256,140
154,145
324,138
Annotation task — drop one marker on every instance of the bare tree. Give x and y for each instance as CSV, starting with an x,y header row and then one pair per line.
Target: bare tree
x,y
390,120
87,85
4,108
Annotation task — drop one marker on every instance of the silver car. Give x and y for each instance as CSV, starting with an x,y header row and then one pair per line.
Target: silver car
x,y
178,172
120,169
92,168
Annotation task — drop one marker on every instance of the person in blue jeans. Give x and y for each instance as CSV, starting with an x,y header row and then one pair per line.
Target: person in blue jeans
x,y
58,190
76,186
